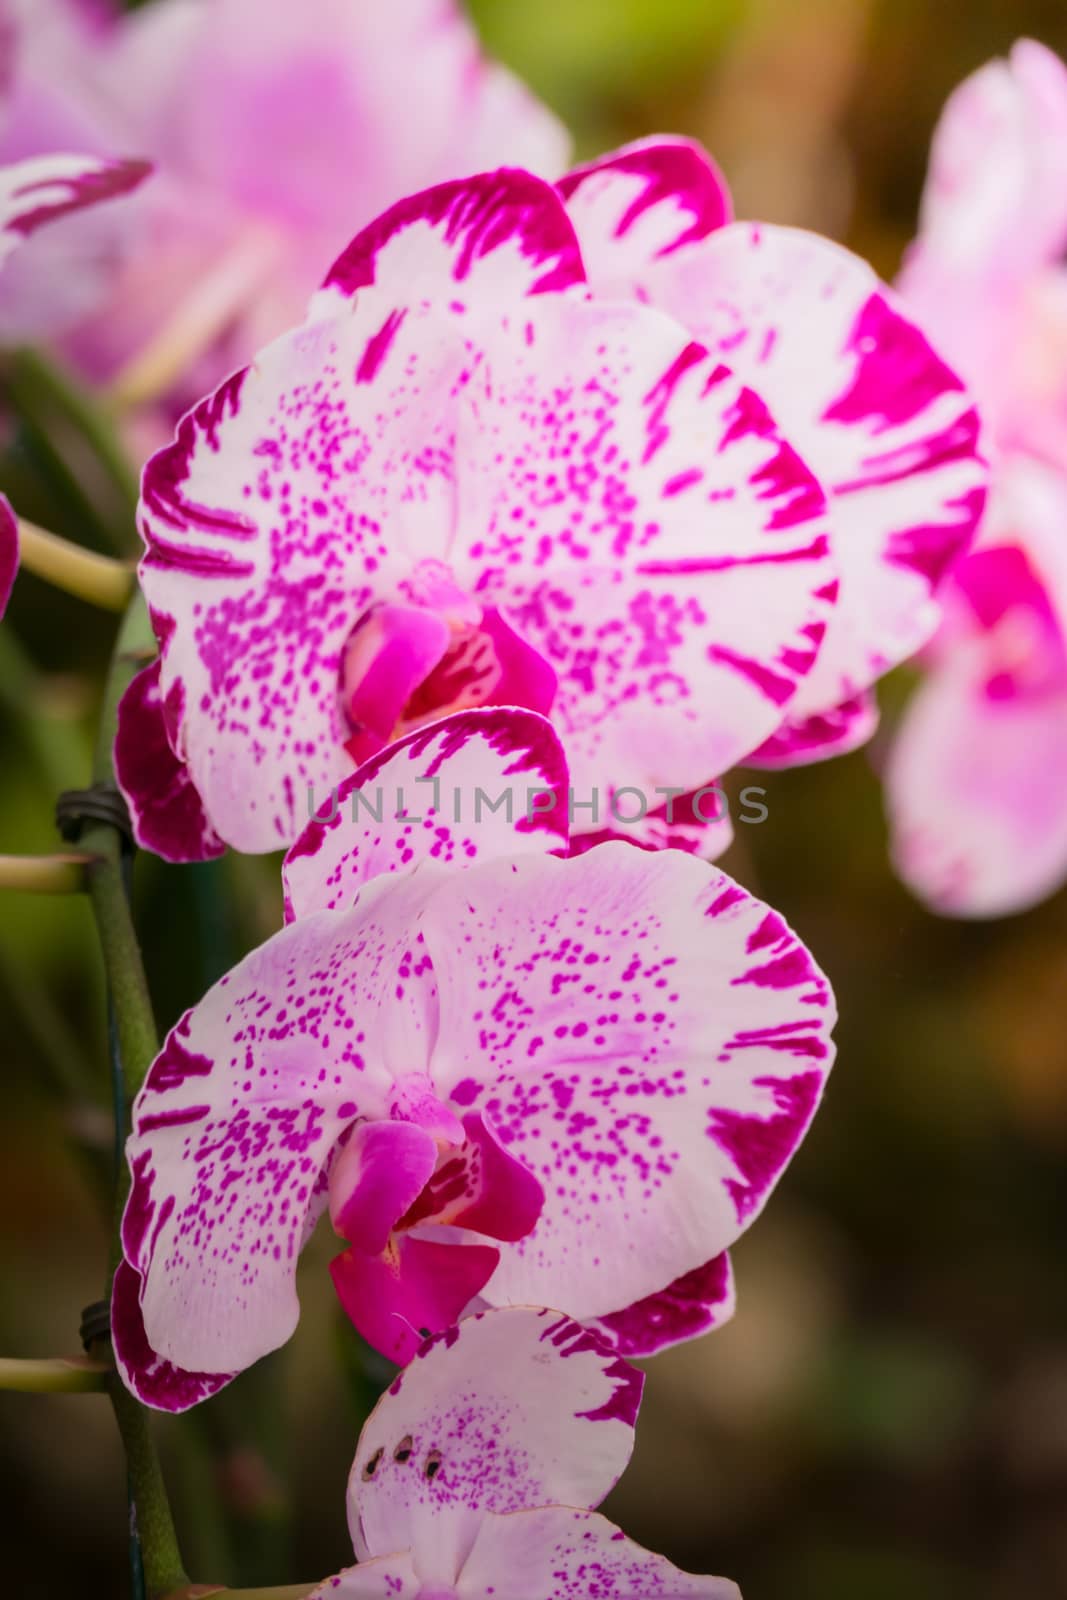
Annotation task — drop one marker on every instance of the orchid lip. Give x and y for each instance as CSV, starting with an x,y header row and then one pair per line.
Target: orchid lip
x,y
409,664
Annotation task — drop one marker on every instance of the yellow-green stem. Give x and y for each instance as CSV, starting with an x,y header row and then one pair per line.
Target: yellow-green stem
x,y
54,874
76,1375
100,580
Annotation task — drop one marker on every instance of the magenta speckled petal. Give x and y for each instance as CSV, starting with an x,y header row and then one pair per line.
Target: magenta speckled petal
x,y
641,204
9,551
290,500
648,1039
43,189
833,732
651,533
572,1555
495,237
153,1379
511,1410
241,1113
614,519
419,800
390,1577
889,429
693,1304
166,811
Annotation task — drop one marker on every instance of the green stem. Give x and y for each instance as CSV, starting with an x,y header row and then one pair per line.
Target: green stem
x,y
100,580
136,1040
60,1376
55,874
163,1568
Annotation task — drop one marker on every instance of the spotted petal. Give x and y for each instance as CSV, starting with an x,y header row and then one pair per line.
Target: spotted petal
x,y
165,808
240,1115
569,1555
510,1410
651,533
388,1578
287,500
886,426
644,1036
479,784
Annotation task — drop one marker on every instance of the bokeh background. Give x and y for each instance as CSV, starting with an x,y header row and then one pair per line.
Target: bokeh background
x,y
887,1414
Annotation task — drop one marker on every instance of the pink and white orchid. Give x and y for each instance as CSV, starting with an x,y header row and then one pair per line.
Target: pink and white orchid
x,y
975,779
505,1072
472,477
275,128
473,1474
36,194
42,191
887,428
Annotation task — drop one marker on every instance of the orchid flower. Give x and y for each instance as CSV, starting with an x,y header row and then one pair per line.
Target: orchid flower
x,y
471,478
275,128
473,1473
505,1072
975,779
888,429
33,195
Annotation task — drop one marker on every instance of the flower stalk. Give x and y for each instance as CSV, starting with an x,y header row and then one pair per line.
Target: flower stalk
x,y
52,874
60,1375
100,580
135,1041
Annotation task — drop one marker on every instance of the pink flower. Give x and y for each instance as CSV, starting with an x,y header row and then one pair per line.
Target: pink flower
x,y
36,194
504,1073
887,428
276,127
9,551
473,1471
975,780
470,479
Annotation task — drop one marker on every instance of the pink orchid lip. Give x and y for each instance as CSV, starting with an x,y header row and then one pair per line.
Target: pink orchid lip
x,y
390,1178
409,664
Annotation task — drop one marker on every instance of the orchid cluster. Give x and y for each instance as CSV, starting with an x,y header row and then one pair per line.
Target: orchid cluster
x,y
498,544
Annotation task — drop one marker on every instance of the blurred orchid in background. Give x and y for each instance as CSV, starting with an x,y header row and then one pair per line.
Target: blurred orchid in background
x,y
502,1073
473,1473
275,128
976,778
